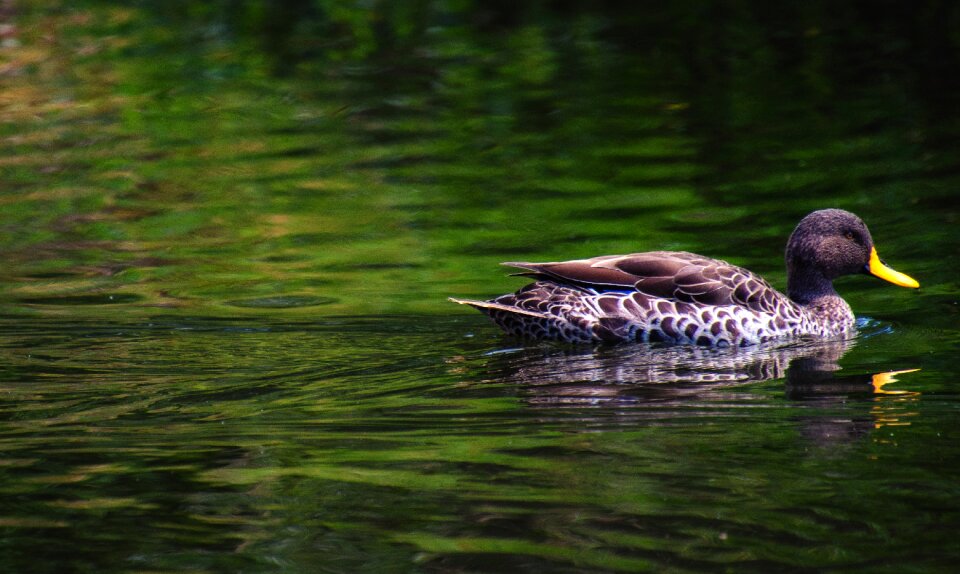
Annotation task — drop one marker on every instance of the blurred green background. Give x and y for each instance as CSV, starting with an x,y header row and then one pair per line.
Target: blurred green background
x,y
376,156
228,231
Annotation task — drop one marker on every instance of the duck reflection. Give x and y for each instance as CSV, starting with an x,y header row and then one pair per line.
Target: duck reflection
x,y
698,377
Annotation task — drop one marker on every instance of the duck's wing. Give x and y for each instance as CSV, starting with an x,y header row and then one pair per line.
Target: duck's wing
x,y
675,275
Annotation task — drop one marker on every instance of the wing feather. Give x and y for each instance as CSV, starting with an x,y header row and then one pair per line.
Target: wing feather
x,y
674,275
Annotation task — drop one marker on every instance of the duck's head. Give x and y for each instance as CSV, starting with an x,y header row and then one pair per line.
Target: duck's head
x,y
828,244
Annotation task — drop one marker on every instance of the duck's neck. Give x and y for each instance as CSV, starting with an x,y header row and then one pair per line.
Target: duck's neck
x,y
807,286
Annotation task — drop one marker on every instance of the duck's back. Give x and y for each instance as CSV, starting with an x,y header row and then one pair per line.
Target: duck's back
x,y
655,296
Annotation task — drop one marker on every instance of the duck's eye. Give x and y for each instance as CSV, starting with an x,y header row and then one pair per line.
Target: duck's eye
x,y
849,235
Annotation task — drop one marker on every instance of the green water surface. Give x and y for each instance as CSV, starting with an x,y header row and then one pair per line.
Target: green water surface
x,y
228,231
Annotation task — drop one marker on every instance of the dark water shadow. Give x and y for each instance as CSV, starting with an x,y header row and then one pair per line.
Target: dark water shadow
x,y
641,371
642,382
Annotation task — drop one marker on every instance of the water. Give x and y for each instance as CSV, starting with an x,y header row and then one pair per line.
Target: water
x,y
228,233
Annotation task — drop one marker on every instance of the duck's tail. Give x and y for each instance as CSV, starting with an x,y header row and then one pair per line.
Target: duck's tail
x,y
492,306
533,323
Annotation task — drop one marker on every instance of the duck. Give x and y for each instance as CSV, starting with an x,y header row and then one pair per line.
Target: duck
x,y
677,297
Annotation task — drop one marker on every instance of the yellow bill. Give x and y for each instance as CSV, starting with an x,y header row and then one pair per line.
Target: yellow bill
x,y
878,269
